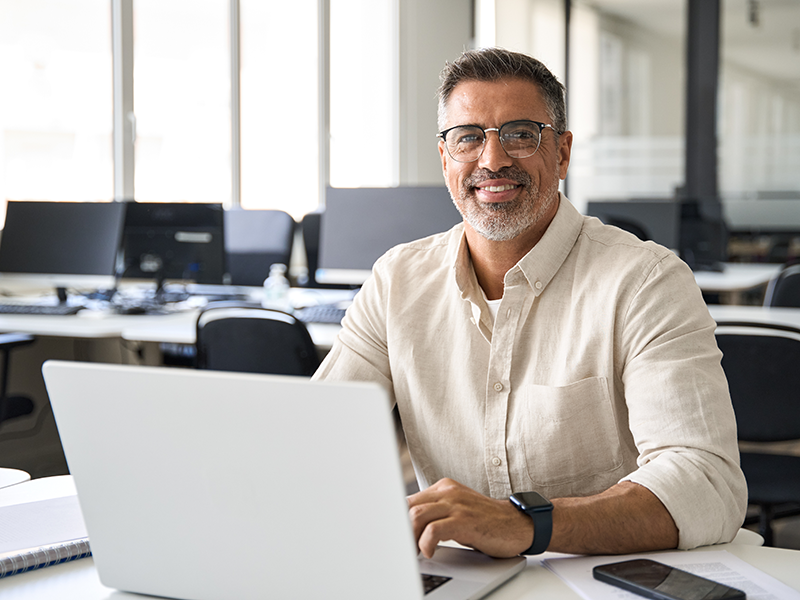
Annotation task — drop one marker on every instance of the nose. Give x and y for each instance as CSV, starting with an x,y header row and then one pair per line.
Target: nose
x,y
494,157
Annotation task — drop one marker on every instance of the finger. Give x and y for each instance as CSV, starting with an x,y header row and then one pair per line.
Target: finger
x,y
437,531
440,489
423,514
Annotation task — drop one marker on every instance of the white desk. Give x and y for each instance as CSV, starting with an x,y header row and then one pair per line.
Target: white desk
x,y
78,580
757,314
178,327
736,277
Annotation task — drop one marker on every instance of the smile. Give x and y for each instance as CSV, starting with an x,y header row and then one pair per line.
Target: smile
x,y
499,188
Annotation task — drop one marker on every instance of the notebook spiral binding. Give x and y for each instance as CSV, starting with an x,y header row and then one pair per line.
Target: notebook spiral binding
x,y
44,557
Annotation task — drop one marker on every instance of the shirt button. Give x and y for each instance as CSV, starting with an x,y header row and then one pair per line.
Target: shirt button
x,y
498,387
538,285
497,462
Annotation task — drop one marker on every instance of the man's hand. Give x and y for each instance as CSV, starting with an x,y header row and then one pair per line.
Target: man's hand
x,y
450,511
623,519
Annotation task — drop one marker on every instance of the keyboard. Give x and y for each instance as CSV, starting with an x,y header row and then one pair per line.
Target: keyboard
x,y
38,309
431,582
321,313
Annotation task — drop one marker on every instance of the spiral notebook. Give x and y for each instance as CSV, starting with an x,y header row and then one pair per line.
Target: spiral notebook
x,y
40,534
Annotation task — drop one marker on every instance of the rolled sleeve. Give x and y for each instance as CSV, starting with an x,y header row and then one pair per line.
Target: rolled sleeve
x,y
680,413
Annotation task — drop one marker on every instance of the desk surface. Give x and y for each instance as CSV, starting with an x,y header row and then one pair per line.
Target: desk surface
x,y
757,314
178,328
78,580
736,277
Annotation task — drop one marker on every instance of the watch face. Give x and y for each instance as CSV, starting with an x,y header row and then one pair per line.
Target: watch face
x,y
528,500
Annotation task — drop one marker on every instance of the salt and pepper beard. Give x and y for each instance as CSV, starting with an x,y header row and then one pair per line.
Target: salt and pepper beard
x,y
504,221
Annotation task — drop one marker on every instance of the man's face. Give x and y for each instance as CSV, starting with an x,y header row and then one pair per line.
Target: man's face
x,y
501,197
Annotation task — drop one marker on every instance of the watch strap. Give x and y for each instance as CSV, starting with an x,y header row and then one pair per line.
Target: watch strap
x,y
542,530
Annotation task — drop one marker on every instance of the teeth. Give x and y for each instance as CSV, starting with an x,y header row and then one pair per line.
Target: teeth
x,y
499,188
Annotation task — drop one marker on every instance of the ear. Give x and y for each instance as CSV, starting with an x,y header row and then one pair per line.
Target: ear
x,y
564,153
443,156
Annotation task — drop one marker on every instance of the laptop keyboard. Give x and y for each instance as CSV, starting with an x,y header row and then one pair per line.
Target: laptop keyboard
x,y
431,582
38,309
321,313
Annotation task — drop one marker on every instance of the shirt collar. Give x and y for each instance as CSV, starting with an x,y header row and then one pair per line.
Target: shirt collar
x,y
541,264
537,267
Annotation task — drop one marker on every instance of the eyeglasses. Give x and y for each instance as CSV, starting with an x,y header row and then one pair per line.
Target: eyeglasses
x,y
520,139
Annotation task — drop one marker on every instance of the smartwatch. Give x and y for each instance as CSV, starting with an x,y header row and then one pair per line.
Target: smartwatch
x,y
540,510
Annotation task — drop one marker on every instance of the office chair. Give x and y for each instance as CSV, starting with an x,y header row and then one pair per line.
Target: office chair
x,y
254,241
12,406
784,288
249,339
761,363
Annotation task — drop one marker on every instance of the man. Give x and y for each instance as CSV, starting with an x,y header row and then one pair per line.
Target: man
x,y
531,349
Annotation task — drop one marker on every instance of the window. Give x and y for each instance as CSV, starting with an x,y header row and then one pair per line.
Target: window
x,y
56,106
363,108
760,100
280,149
182,100
626,101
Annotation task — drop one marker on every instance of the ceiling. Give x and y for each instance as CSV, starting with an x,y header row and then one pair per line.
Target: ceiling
x,y
762,36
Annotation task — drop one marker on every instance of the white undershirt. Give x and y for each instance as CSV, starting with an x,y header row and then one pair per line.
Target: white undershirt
x,y
494,306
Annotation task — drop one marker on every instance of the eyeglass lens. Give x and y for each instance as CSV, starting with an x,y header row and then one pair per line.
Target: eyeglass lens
x,y
520,139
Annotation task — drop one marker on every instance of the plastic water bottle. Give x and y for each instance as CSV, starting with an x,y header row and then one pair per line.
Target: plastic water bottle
x,y
276,289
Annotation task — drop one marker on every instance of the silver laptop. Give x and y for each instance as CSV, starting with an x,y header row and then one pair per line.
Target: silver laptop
x,y
206,485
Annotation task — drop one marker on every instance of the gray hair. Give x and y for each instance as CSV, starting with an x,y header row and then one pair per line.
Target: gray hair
x,y
493,64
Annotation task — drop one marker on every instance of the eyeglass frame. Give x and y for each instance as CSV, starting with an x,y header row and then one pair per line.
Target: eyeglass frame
x,y
442,135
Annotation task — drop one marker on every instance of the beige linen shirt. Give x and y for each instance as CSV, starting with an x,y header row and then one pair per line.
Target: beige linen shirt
x,y
600,366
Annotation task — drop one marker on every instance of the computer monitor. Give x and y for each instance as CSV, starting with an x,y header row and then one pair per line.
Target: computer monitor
x,y
360,224
694,230
653,219
61,244
174,241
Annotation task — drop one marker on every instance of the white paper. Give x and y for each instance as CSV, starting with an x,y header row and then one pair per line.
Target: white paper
x,y
720,566
42,523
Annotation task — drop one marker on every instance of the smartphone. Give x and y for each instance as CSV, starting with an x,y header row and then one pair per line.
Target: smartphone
x,y
653,579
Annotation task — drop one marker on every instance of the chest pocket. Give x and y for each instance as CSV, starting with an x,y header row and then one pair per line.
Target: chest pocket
x,y
568,433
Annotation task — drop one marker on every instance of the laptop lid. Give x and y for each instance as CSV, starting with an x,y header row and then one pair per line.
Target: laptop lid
x,y
202,484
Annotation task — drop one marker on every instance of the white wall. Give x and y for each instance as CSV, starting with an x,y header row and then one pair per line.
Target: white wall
x,y
431,33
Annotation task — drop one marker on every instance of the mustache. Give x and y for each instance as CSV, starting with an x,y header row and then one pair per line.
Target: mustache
x,y
513,173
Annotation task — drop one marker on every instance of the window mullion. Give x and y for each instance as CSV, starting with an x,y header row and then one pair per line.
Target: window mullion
x,y
124,117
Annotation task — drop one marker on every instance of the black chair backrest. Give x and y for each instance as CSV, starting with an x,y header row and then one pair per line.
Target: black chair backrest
x,y
311,225
784,289
254,241
762,364
254,340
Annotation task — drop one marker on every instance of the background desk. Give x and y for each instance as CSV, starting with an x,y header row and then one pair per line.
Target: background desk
x,y
31,442
755,314
736,277
179,328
